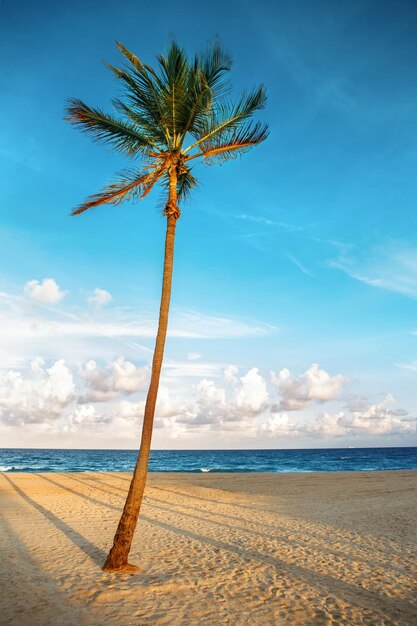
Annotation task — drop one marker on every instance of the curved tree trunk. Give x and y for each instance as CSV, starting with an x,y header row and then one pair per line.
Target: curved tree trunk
x,y
117,559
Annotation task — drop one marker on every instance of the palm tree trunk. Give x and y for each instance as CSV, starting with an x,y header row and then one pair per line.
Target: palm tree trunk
x,y
117,559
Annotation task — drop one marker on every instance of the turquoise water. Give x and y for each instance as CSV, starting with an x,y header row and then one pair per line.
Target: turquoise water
x,y
320,460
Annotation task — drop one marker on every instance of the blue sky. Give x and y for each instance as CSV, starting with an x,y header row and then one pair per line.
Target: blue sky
x,y
302,252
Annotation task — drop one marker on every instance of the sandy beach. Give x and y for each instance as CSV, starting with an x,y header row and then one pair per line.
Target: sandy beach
x,y
213,549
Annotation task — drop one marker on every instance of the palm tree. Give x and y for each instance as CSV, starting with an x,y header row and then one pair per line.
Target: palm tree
x,y
170,116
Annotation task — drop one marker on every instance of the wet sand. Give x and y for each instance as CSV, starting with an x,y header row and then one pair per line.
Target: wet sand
x,y
213,549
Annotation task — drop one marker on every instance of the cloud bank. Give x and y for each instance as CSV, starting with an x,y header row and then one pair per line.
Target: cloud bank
x,y
111,397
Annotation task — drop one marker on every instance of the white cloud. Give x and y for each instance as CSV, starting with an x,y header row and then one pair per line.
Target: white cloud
x,y
129,410
252,397
278,424
212,405
314,385
230,375
84,414
98,383
48,291
168,408
232,406
330,425
100,297
120,376
59,384
39,397
382,418
365,418
127,377
85,418
193,356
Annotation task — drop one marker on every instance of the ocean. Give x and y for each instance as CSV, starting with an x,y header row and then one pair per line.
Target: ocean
x,y
316,460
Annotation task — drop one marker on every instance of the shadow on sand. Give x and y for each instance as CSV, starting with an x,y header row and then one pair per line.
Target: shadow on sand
x,y
91,550
16,584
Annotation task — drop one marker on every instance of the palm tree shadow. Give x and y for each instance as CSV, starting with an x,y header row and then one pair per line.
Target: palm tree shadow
x,y
15,560
92,484
90,549
325,583
78,494
177,492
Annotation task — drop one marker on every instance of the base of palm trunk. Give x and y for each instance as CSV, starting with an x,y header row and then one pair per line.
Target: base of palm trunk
x,y
126,568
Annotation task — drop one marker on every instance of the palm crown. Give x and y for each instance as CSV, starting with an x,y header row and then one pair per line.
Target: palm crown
x,y
170,116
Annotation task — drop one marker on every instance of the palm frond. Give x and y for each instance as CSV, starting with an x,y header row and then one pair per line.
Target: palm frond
x,y
209,82
157,174
138,65
177,77
215,63
227,116
154,132
144,91
196,108
122,135
206,82
237,142
186,183
130,184
140,95
189,88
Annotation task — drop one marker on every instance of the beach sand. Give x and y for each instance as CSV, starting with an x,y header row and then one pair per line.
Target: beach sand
x,y
213,549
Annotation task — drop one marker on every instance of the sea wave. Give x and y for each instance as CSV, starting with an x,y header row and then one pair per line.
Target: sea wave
x,y
220,470
23,468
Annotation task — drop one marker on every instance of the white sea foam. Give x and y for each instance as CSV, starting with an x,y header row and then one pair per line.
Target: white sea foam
x,y
204,469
